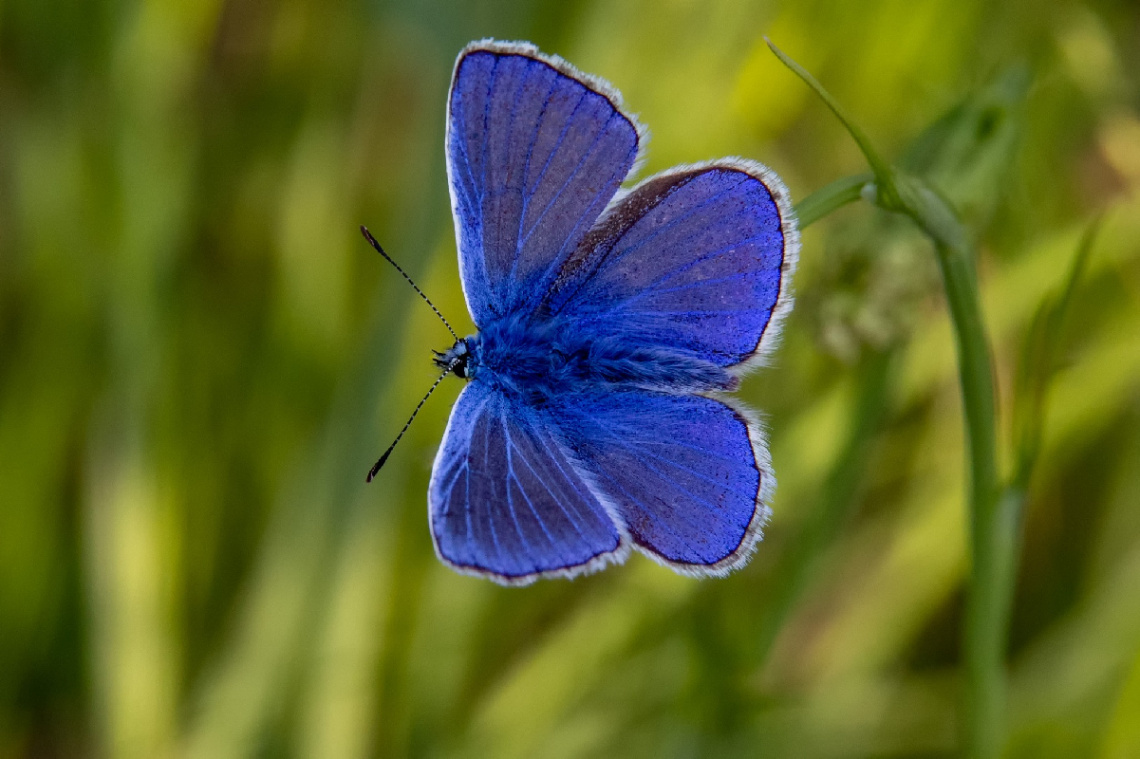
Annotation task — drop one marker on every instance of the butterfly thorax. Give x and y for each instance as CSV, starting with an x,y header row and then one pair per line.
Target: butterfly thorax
x,y
549,359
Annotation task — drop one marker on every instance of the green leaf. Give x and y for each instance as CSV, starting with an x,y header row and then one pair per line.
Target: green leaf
x,y
827,199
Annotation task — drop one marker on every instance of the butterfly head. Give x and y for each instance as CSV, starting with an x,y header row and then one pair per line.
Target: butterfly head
x,y
459,358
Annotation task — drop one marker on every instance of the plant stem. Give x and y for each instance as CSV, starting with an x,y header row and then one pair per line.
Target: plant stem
x,y
993,520
993,539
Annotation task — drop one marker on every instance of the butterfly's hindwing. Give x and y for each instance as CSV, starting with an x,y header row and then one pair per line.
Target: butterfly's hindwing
x,y
688,475
505,502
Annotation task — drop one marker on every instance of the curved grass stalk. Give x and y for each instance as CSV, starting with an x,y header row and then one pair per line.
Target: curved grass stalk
x,y
992,537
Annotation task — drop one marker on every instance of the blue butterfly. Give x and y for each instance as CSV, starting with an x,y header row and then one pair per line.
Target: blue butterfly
x,y
610,324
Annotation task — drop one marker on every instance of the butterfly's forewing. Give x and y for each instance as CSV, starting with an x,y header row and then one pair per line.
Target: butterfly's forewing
x,y
687,475
697,258
506,503
535,151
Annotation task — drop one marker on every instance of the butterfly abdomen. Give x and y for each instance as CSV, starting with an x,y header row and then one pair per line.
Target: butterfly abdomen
x,y
538,364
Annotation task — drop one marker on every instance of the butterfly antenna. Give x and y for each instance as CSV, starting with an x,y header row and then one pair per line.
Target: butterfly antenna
x,y
384,457
372,241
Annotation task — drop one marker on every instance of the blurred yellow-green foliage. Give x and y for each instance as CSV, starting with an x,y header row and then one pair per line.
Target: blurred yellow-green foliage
x,y
200,358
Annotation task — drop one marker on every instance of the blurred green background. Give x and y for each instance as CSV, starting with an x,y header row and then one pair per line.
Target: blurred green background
x,y
200,358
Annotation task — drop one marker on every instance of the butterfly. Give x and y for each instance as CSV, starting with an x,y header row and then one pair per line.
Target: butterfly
x,y
611,324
